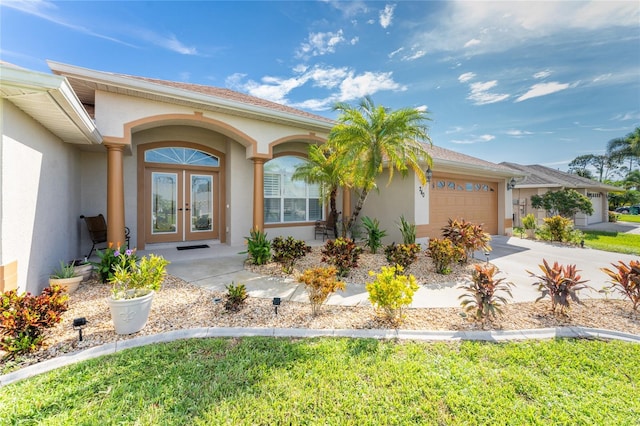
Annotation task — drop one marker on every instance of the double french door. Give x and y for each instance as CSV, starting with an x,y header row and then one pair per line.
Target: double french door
x,y
181,205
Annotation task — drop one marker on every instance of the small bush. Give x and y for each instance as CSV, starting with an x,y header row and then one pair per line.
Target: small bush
x,y
470,237
235,297
613,216
374,233
402,254
111,258
560,283
391,292
529,221
482,292
343,253
320,283
258,247
25,318
287,250
443,253
557,228
626,280
408,231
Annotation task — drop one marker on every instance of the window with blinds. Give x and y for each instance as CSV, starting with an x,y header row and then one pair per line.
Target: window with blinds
x,y
286,200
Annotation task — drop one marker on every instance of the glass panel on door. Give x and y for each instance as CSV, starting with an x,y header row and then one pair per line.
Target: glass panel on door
x,y
201,203
164,199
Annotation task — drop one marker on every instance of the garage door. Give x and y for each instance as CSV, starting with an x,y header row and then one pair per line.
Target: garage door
x,y
596,202
460,197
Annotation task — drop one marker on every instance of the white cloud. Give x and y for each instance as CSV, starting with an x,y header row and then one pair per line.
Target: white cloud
x,y
518,133
467,76
480,95
319,44
500,25
415,54
474,139
422,108
386,15
472,42
395,52
627,116
343,83
542,89
348,8
542,74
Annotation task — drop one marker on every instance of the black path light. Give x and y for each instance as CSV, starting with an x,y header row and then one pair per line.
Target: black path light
x,y
276,303
79,324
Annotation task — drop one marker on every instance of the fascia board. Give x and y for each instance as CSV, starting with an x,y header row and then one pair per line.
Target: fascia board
x,y
474,168
59,91
185,95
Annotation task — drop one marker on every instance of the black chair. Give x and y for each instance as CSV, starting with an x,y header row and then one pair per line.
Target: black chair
x,y
97,227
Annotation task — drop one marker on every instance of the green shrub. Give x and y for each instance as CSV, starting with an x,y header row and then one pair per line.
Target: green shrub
x,y
25,317
320,283
287,250
64,271
391,292
132,279
482,291
626,280
235,297
402,254
443,253
374,233
408,231
613,216
560,283
258,247
110,258
343,253
556,228
470,237
529,221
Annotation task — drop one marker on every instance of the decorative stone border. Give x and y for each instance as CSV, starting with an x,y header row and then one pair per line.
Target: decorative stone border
x,y
422,335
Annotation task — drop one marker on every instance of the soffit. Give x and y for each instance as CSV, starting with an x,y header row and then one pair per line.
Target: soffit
x,y
50,101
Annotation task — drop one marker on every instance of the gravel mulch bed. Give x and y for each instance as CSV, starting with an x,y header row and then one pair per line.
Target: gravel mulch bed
x,y
180,305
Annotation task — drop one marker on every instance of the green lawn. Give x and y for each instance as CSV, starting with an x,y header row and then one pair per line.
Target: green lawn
x,y
264,381
613,241
629,218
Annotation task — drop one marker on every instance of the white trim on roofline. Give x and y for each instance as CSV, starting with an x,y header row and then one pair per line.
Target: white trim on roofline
x,y
59,91
182,94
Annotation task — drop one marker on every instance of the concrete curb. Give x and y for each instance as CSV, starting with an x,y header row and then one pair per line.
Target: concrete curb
x,y
420,335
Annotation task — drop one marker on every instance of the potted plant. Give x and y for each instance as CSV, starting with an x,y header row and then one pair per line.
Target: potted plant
x,y
133,287
65,276
529,225
82,267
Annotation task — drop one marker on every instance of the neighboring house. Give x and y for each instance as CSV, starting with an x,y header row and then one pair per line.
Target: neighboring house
x,y
180,163
538,180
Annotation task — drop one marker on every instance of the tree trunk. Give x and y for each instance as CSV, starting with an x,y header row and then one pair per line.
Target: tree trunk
x,y
333,212
359,205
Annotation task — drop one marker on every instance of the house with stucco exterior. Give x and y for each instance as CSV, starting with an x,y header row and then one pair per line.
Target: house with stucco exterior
x,y
538,180
181,163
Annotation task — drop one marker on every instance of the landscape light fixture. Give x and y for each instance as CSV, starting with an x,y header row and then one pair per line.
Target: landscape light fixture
x,y
276,303
487,253
79,324
511,184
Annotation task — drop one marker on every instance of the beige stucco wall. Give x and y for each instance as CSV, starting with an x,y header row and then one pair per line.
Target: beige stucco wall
x,y
389,203
40,199
113,111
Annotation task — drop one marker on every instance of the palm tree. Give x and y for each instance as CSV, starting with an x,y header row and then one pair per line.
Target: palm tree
x,y
627,147
322,168
368,137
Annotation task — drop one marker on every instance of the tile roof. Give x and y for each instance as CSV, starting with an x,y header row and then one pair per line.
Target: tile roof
x,y
537,175
439,153
229,95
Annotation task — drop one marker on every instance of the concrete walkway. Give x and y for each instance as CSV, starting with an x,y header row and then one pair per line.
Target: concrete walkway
x,y
215,267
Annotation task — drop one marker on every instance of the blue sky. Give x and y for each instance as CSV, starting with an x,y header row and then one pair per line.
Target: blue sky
x,y
527,82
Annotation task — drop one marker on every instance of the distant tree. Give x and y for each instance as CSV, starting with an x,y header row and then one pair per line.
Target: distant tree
x,y
566,203
626,148
623,198
632,181
604,165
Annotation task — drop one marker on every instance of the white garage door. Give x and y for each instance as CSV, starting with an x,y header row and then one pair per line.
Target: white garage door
x,y
596,201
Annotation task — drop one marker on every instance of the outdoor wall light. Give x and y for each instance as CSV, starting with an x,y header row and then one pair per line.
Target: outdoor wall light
x,y
276,303
428,173
79,324
511,184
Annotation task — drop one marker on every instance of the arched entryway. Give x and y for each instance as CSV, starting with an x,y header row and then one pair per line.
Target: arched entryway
x,y
181,193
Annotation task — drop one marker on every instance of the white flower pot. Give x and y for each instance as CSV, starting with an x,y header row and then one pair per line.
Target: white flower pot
x,y
130,315
84,270
68,284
